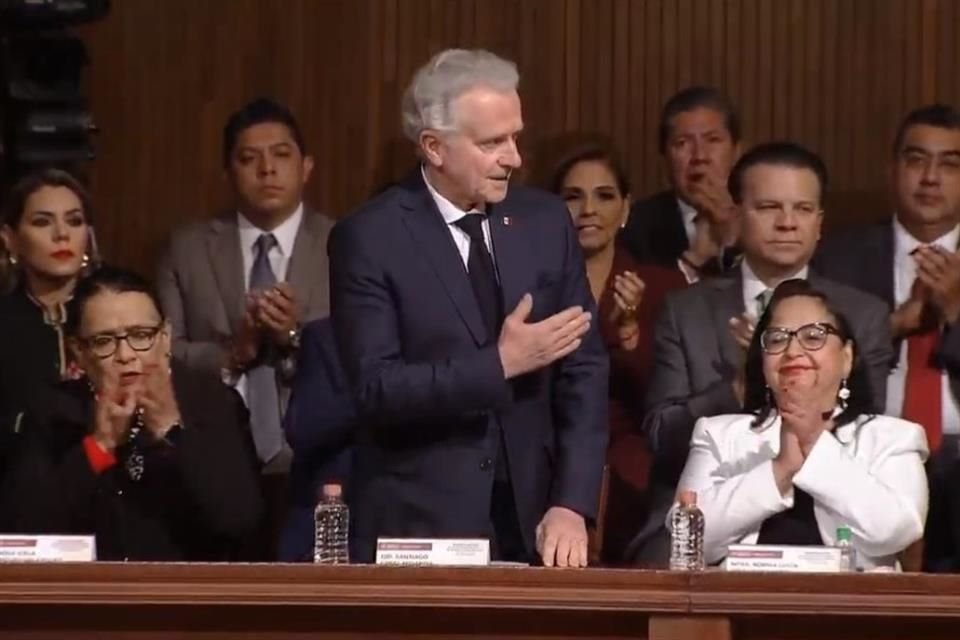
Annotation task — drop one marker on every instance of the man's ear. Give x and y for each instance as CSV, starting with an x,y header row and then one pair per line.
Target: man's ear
x,y
307,168
430,143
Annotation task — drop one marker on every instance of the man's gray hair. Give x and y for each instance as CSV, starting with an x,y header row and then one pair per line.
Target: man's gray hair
x,y
449,74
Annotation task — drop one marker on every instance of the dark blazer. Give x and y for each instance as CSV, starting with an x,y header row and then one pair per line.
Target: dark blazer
x,y
31,360
863,257
198,498
428,378
319,425
654,232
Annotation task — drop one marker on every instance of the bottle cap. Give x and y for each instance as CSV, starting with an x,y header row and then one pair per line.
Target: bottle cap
x,y
332,490
844,534
687,498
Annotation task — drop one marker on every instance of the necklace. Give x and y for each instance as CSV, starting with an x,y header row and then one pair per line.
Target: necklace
x,y
135,460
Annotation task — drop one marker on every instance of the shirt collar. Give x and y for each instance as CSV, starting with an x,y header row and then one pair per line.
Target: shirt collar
x,y
450,212
905,243
285,233
754,286
687,211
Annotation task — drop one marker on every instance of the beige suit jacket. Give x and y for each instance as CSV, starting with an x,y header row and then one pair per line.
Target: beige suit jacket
x,y
201,284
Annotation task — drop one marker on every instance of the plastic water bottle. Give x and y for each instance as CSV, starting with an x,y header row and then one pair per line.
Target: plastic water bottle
x,y
848,554
331,521
686,534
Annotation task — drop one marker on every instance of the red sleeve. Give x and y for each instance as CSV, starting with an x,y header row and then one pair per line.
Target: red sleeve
x,y
99,459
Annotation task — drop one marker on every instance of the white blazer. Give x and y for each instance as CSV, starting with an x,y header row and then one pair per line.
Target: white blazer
x,y
868,477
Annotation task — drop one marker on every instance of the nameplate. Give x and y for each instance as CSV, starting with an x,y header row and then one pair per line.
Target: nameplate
x,y
47,548
433,552
801,559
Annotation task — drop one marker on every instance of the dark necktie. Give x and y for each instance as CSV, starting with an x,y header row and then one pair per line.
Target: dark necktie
x,y
483,277
507,540
263,399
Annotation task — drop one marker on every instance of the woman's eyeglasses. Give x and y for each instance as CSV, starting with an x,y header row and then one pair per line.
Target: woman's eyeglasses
x,y
811,337
104,345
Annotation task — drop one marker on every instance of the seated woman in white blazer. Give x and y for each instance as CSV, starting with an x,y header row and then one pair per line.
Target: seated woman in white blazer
x,y
809,457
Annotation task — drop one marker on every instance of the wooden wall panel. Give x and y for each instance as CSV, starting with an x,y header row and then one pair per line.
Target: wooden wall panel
x,y
833,74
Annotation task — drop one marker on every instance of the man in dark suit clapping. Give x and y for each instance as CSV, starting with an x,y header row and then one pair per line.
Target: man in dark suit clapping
x,y
463,315
691,225
912,262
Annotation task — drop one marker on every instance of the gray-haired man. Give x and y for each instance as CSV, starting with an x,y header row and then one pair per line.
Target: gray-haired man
x,y
462,312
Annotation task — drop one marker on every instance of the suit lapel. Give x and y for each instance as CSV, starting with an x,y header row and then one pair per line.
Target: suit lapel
x,y
727,302
301,272
509,253
883,248
430,233
223,251
677,233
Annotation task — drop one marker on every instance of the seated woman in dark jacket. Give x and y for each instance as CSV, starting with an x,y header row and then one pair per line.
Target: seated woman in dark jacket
x,y
146,456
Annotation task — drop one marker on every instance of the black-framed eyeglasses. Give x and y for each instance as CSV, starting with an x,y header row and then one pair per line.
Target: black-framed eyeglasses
x,y
104,345
811,337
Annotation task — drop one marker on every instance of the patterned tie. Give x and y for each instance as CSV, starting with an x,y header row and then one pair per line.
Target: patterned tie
x,y
763,299
263,399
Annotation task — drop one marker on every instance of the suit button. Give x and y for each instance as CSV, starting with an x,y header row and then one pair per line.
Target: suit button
x,y
486,465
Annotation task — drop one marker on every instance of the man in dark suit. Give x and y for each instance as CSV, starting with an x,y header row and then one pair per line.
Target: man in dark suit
x,y
703,332
463,316
912,263
237,287
319,426
690,225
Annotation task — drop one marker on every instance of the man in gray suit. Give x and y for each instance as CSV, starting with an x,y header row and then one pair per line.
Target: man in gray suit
x,y
703,331
236,288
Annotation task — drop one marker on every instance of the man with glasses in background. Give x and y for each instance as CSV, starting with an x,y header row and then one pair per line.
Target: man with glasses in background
x,y
912,262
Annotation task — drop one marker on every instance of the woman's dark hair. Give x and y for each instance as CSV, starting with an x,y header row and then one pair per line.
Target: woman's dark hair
x,y
758,399
106,279
33,182
590,152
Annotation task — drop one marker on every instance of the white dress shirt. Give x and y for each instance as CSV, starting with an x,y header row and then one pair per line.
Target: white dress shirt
x,y
904,273
451,214
753,286
279,256
868,477
286,235
689,215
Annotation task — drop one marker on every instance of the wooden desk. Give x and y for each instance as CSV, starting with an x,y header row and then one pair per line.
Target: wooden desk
x,y
242,602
